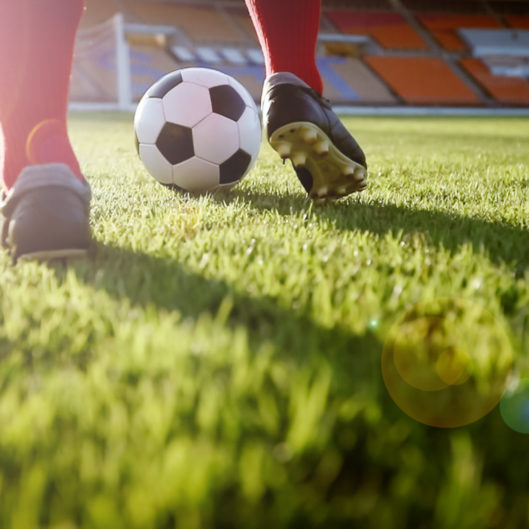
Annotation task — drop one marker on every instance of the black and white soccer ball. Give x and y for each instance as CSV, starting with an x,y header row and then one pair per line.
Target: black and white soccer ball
x,y
198,130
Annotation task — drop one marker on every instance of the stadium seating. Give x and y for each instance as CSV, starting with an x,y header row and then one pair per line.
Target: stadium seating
x,y
240,16
367,88
234,56
423,80
401,67
496,41
208,55
183,54
256,56
390,30
508,90
507,66
202,23
444,27
517,21
148,64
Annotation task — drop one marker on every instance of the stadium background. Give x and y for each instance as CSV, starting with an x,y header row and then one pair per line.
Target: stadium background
x,y
372,53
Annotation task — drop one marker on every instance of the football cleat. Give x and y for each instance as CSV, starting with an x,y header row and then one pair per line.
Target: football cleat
x,y
45,214
302,127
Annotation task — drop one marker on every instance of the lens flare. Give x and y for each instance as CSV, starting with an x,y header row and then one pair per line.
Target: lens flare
x,y
514,406
446,362
43,130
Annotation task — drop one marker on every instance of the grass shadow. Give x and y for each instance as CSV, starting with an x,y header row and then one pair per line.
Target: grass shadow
x,y
169,285
502,242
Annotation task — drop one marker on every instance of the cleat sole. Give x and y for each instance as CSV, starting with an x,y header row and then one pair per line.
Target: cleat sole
x,y
334,175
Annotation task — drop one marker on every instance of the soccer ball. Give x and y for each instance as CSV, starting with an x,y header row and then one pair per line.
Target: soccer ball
x,y
197,130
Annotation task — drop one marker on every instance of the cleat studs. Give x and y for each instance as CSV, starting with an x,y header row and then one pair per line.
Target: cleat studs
x,y
354,173
359,175
321,148
299,159
322,191
342,190
309,136
283,149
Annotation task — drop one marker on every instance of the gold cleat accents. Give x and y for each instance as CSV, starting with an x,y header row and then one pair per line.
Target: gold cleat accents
x,y
322,192
309,135
359,174
284,150
321,148
332,175
299,159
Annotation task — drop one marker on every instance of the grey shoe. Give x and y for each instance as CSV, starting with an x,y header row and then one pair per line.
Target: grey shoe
x,y
301,126
45,215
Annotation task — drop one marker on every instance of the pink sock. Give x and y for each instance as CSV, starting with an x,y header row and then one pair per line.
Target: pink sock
x,y
288,33
36,49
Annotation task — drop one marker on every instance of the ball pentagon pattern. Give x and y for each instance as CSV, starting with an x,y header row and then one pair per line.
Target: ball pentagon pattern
x,y
197,130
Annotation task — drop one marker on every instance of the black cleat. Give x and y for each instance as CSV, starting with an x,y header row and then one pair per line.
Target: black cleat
x,y
45,215
301,126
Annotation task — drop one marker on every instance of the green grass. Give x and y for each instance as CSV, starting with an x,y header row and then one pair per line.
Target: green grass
x,y
216,362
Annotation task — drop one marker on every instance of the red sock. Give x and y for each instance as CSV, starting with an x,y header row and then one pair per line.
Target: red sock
x,y
36,50
288,32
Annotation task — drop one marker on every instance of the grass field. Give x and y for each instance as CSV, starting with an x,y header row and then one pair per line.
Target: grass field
x,y
216,362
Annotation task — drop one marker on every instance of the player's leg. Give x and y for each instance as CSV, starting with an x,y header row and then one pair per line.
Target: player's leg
x,y
45,206
300,123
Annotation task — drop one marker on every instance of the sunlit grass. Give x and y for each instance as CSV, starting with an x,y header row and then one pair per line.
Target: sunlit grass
x,y
216,361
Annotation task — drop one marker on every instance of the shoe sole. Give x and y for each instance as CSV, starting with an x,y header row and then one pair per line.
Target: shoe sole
x,y
334,175
52,255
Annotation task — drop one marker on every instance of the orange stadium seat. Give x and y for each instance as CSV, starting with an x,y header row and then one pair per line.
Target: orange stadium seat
x,y
423,80
202,23
390,30
514,90
517,21
444,27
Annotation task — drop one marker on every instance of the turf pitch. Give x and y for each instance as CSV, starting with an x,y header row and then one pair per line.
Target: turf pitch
x,y
216,360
